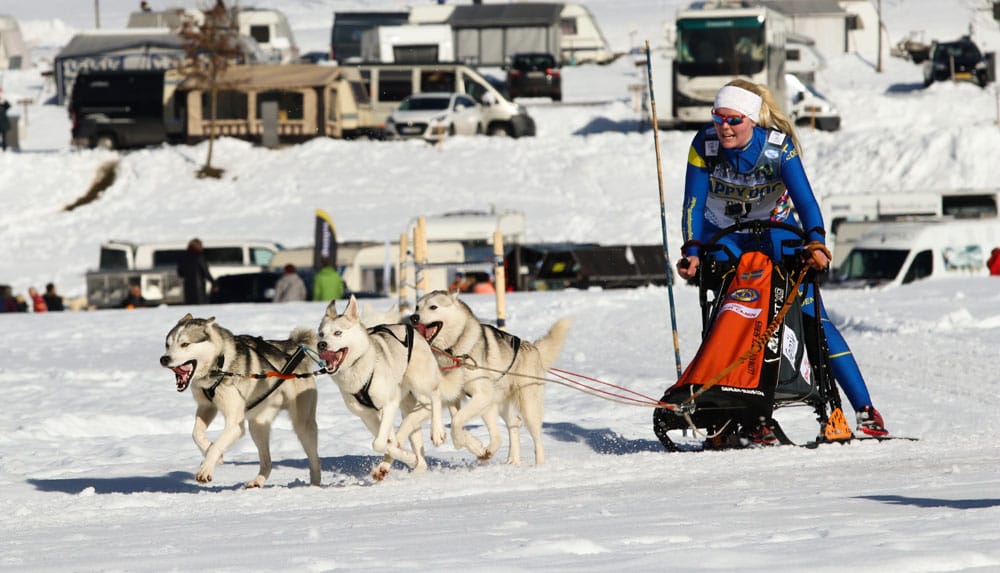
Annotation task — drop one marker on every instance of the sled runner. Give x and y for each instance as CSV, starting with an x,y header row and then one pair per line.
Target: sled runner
x,y
760,351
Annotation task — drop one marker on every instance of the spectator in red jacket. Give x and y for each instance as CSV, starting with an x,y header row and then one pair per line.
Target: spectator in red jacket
x,y
994,263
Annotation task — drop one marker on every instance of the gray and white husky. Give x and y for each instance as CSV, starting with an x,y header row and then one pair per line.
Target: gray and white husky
x,y
219,366
381,371
507,373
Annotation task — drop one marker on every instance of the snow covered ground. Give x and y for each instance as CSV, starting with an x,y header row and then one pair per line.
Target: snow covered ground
x,y
96,460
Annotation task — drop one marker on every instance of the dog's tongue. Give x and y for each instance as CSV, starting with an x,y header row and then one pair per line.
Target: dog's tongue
x,y
333,358
422,329
183,374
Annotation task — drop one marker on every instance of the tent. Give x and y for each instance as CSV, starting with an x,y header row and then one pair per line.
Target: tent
x,y
489,34
140,49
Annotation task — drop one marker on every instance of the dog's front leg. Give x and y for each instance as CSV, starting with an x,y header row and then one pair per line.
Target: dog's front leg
x,y
232,431
480,401
438,434
202,420
385,440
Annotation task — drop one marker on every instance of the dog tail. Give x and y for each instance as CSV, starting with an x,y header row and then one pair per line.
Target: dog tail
x,y
550,345
304,336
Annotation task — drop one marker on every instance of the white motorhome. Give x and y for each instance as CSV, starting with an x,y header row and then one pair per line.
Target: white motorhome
x,y
847,216
408,44
272,32
582,40
14,52
894,254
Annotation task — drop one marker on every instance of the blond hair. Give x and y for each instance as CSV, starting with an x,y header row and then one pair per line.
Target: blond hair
x,y
771,116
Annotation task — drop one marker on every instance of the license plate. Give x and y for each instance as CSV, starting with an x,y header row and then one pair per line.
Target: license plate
x,y
536,74
963,75
409,130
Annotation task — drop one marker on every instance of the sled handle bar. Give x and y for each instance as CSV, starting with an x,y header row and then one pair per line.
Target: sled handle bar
x,y
757,227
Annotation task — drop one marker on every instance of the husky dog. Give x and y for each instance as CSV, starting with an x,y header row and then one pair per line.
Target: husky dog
x,y
221,367
507,372
380,371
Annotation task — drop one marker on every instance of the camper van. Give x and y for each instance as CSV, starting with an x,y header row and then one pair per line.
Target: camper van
x,y
349,27
389,84
849,215
271,31
14,52
894,254
408,44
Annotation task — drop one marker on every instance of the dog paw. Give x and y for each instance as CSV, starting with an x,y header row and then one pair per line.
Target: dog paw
x,y
439,438
485,456
255,483
380,472
203,477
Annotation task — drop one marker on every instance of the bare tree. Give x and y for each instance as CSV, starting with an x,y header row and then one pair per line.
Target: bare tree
x,y
209,47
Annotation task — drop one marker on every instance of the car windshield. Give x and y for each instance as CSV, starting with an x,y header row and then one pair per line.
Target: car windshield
x,y
872,264
424,104
960,51
534,62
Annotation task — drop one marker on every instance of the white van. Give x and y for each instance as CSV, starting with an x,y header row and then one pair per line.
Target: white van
x,y
900,253
389,84
809,107
153,266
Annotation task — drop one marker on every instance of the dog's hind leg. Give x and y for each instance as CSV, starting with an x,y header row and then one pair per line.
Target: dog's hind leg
x,y
303,415
513,422
480,401
415,413
531,401
261,434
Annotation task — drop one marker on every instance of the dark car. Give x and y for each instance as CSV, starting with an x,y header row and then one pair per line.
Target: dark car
x,y
960,60
118,109
534,75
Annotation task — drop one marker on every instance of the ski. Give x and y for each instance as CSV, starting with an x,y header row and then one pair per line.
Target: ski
x,y
815,444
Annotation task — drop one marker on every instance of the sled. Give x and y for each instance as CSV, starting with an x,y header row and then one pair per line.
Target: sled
x,y
743,371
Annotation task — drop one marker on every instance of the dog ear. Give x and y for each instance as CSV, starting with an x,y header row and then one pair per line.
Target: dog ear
x,y
331,309
351,312
209,321
186,318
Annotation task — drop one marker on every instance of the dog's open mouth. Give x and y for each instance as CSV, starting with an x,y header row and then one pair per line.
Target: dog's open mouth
x,y
184,373
333,358
429,331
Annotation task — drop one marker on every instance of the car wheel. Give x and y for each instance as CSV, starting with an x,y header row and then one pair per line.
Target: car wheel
x,y
451,130
479,129
105,141
500,130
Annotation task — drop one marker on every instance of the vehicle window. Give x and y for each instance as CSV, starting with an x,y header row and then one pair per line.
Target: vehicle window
x,y
260,33
415,54
232,104
424,104
290,104
473,88
533,62
873,264
360,92
167,257
568,26
113,259
922,266
394,85
437,81
224,255
261,256
466,101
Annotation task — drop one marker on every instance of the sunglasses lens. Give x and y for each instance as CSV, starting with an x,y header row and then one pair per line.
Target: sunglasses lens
x,y
730,119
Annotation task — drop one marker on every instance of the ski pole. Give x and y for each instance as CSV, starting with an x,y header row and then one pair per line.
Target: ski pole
x,y
663,211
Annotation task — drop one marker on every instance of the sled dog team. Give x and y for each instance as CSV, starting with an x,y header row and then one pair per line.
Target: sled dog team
x,y
440,358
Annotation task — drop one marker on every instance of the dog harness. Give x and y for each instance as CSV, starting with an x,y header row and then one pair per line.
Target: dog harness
x,y
515,345
363,396
291,364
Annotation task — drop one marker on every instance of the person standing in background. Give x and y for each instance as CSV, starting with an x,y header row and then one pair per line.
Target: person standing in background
x,y
328,285
193,270
53,301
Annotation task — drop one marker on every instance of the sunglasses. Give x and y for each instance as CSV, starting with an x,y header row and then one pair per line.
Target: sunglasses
x,y
730,119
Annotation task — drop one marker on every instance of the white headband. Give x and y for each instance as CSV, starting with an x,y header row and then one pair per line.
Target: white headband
x,y
743,101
